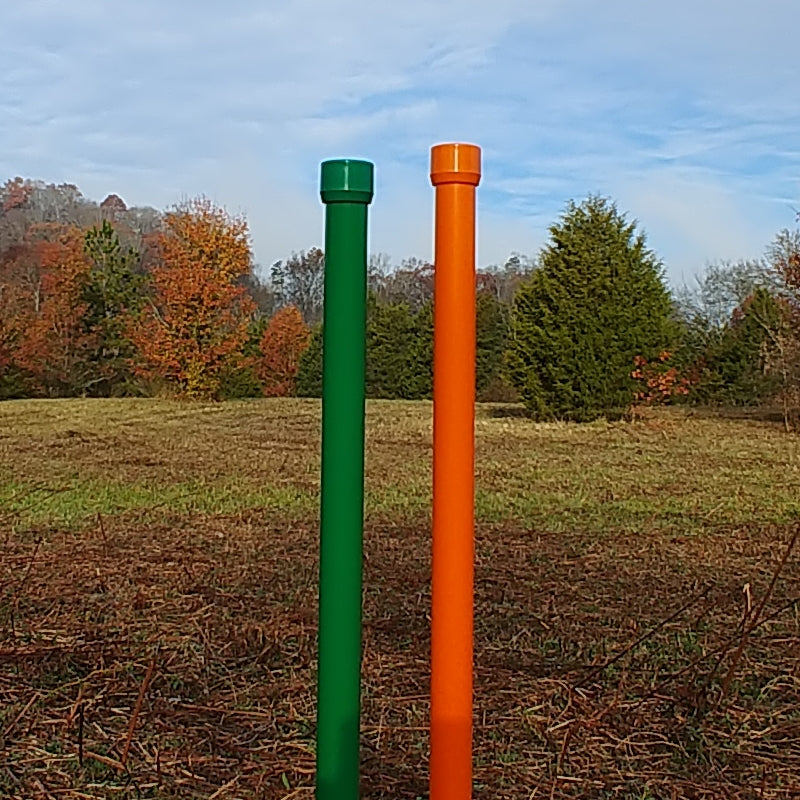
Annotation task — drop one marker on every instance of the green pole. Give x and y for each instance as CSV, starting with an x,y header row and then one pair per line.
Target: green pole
x,y
346,189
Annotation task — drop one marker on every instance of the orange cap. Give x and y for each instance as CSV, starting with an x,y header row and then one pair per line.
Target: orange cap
x,y
456,163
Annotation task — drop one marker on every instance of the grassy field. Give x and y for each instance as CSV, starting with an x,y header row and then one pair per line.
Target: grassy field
x,y
637,629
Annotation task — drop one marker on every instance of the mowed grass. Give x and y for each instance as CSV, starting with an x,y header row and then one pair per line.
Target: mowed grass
x,y
637,603
63,462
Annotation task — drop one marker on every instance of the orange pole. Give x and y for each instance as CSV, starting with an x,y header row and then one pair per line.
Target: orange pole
x,y
455,172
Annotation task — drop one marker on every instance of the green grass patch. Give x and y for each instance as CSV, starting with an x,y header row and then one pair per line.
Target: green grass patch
x,y
63,462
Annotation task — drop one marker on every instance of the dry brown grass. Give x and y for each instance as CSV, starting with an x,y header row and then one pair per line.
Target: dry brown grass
x,y
165,652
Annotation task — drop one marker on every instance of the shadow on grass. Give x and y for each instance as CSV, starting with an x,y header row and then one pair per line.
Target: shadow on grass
x,y
504,410
767,413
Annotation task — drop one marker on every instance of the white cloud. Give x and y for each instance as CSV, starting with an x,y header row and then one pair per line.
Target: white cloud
x,y
684,112
706,220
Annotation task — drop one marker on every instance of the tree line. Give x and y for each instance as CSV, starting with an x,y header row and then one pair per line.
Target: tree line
x,y
105,300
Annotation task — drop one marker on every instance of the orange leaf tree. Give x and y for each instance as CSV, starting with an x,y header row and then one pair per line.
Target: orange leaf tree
x,y
660,382
284,340
196,324
55,346
9,328
12,309
17,306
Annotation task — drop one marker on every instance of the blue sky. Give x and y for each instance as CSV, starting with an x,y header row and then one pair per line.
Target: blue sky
x,y
686,113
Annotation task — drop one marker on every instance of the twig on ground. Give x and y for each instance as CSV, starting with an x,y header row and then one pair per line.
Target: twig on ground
x,y
137,708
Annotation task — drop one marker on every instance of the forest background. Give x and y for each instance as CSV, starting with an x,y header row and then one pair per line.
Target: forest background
x,y
102,300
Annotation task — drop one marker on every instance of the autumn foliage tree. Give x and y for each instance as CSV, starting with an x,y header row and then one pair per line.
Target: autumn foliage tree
x,y
54,343
196,322
660,381
285,339
10,301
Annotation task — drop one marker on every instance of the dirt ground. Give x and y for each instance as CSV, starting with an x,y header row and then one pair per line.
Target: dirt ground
x,y
177,660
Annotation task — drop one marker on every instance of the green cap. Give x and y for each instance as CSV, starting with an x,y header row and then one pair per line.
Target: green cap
x,y
346,180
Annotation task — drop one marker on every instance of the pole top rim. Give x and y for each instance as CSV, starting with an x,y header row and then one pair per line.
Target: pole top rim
x,y
347,180
456,162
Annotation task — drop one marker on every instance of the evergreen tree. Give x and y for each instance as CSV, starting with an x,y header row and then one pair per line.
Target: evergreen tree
x,y
399,351
399,346
308,382
491,334
734,364
113,290
597,302
241,380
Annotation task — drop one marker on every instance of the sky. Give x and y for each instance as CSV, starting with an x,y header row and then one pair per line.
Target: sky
x,y
686,114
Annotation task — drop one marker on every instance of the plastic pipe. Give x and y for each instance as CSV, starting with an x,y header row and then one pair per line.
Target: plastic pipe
x,y
455,174
346,188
